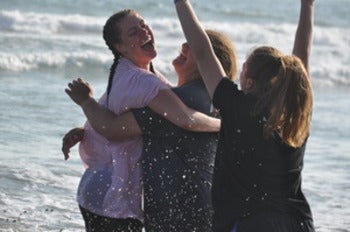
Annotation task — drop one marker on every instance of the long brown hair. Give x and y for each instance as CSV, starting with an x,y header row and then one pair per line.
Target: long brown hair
x,y
283,87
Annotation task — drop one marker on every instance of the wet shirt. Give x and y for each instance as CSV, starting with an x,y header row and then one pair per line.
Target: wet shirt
x,y
252,175
177,167
110,185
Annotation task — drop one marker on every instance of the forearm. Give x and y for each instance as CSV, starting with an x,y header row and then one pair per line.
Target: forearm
x,y
202,123
193,31
108,124
168,105
208,64
304,32
192,120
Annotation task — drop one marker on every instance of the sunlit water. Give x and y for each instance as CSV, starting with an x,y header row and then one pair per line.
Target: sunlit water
x,y
44,45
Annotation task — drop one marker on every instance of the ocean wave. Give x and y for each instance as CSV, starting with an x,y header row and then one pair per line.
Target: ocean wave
x,y
30,22
43,60
49,41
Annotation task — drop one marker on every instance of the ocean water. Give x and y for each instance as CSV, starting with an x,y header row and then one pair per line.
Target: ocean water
x,y
46,43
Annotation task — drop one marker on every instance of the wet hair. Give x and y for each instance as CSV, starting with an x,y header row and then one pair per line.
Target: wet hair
x,y
111,36
283,87
225,51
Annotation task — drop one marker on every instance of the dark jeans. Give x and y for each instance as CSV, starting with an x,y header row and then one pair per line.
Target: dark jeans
x,y
97,223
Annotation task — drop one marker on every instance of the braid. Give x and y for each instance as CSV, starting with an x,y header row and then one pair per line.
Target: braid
x,y
111,74
151,68
111,35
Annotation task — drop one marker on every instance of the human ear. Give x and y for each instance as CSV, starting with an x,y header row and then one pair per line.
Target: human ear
x,y
120,48
249,83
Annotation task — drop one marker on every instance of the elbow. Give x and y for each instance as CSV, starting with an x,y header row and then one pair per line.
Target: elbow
x,y
121,133
114,135
111,137
105,131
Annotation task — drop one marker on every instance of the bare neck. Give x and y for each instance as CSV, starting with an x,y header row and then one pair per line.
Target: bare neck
x,y
184,79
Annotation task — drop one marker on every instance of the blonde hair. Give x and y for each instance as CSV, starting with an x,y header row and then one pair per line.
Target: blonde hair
x,y
283,87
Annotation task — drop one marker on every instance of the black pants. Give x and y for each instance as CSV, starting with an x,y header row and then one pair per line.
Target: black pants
x,y
97,223
274,221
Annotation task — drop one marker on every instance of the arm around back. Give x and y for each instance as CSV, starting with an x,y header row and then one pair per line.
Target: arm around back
x,y
166,103
124,126
170,106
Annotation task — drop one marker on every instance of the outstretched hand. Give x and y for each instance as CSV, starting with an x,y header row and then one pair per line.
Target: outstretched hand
x,y
72,137
79,91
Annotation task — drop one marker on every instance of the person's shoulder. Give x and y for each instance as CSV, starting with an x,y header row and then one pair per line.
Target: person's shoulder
x,y
147,78
134,73
163,78
226,89
128,68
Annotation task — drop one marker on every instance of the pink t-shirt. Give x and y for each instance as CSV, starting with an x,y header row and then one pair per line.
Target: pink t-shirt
x,y
111,184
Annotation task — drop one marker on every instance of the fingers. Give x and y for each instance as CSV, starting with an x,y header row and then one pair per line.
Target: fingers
x,y
79,90
77,82
65,148
73,84
68,91
70,139
79,85
66,153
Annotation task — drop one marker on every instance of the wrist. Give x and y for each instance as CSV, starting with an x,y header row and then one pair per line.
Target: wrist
x,y
176,1
87,102
308,3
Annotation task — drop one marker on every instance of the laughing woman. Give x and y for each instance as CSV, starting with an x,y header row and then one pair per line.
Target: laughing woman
x,y
109,193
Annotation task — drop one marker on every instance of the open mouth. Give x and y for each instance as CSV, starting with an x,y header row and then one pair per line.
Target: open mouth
x,y
182,55
181,58
148,45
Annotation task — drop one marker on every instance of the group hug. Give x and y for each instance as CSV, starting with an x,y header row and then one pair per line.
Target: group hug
x,y
221,151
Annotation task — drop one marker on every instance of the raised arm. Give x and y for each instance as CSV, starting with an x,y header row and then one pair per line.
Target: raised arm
x,y
304,32
209,66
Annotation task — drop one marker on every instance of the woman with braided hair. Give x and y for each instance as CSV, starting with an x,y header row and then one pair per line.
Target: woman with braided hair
x,y
109,193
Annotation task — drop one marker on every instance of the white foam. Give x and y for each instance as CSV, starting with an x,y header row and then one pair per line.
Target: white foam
x,y
30,22
37,60
54,40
